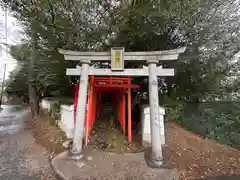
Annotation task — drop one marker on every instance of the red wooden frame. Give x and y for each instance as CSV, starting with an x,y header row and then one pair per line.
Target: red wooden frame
x,y
97,87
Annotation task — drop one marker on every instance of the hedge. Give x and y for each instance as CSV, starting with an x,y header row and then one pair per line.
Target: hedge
x,y
218,120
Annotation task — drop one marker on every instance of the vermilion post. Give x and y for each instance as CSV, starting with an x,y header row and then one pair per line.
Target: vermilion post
x,y
89,113
124,111
129,113
120,106
94,104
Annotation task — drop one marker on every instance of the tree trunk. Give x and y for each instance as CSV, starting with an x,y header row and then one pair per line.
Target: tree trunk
x,y
33,97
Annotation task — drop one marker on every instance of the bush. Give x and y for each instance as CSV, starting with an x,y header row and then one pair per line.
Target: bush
x,y
55,104
62,100
216,120
55,110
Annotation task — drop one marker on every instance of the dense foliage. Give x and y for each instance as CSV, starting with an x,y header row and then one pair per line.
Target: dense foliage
x,y
219,120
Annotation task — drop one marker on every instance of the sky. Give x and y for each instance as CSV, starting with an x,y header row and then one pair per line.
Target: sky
x,y
10,32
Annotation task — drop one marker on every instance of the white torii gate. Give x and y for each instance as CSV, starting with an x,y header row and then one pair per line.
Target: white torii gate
x,y
117,56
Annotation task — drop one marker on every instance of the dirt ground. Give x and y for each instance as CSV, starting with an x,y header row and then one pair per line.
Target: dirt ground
x,y
110,138
194,157
47,134
197,158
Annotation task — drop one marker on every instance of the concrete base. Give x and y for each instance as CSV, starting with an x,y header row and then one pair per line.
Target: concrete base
x,y
153,163
146,138
75,156
101,165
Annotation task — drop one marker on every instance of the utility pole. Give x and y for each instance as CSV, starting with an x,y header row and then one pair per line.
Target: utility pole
x,y
3,81
5,65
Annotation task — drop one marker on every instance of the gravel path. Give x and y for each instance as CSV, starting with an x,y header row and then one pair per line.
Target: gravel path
x,y
20,157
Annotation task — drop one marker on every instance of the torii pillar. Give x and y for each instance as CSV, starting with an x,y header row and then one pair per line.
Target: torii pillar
x,y
155,159
76,151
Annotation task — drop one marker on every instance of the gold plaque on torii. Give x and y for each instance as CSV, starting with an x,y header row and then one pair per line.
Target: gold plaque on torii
x,y
117,58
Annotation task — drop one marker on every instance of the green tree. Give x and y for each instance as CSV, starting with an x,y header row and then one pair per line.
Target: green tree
x,y
210,35
211,38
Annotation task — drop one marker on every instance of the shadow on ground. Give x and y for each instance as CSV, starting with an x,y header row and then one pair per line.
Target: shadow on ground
x,y
223,178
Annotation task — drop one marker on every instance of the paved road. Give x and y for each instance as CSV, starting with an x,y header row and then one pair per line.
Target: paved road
x,y
20,157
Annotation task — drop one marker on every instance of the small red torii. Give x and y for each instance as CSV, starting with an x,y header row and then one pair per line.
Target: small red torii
x,y
99,85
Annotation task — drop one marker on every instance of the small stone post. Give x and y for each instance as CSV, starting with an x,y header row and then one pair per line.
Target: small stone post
x,y
155,158
76,151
